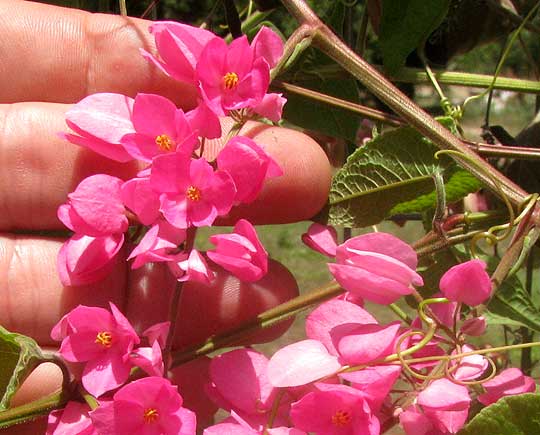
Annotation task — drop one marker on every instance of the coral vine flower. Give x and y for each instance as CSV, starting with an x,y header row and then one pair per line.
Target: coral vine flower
x,y
467,282
334,410
321,238
148,406
248,165
101,340
378,267
241,252
192,267
192,193
159,128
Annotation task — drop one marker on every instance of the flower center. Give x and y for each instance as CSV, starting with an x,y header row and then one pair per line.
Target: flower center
x,y
150,415
341,418
164,142
230,80
104,338
193,193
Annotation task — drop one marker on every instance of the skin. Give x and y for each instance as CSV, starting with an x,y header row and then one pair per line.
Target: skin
x,y
51,58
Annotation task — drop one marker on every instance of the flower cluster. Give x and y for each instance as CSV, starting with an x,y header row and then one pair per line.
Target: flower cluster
x,y
352,375
178,188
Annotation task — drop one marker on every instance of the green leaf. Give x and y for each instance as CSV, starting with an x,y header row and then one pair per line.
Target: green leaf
x,y
392,169
323,118
512,415
19,355
405,25
458,185
512,305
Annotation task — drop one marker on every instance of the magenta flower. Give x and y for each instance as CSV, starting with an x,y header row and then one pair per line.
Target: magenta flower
x,y
149,359
321,238
73,419
231,77
378,267
180,47
137,195
467,282
191,192
84,259
159,128
248,165
100,339
100,121
241,252
192,267
507,383
334,410
148,406
95,208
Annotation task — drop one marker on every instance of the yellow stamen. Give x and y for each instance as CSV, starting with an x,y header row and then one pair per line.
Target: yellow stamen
x,y
193,193
230,80
164,142
341,418
104,338
150,415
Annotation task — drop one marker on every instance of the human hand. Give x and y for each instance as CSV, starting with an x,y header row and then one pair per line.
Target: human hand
x,y
52,57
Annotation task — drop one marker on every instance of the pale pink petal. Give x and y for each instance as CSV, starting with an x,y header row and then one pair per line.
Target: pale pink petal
x,y
196,269
271,107
149,359
301,363
365,343
507,383
414,422
444,395
321,238
330,314
447,421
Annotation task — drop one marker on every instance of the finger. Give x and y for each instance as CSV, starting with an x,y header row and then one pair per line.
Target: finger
x,y
33,299
61,55
39,169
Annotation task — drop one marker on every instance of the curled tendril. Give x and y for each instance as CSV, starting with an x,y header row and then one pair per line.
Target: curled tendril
x,y
401,356
448,371
422,307
489,235
455,112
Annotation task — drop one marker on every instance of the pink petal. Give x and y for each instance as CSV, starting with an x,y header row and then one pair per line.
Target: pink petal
x,y
381,243
154,115
475,326
96,200
268,45
414,422
204,121
157,333
271,107
240,377
321,238
149,359
141,199
508,382
105,374
330,314
447,421
196,269
444,395
467,282
365,343
301,363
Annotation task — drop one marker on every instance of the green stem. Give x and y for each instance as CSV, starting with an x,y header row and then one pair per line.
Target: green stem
x,y
31,411
400,313
296,44
264,320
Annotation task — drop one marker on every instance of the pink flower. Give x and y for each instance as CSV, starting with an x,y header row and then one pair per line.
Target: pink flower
x,y
467,282
84,259
334,410
159,128
148,406
149,359
231,77
271,107
321,238
95,208
475,326
137,195
507,383
248,165
378,267
100,339
157,332
191,192
241,252
100,121
73,419
180,47
192,267
158,244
